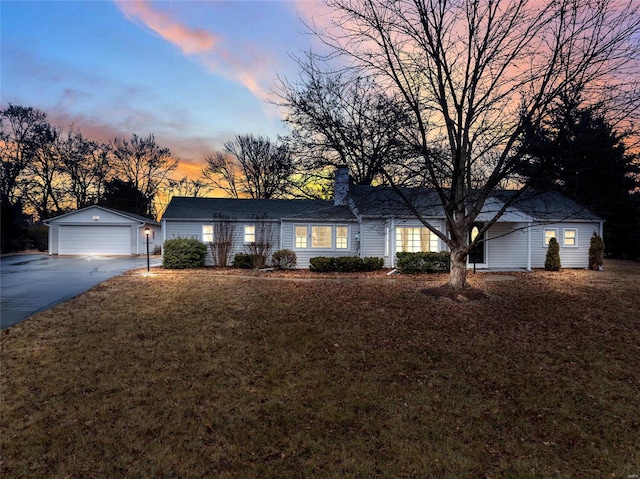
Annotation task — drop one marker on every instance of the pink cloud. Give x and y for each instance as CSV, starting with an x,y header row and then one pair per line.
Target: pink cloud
x,y
313,12
190,41
243,65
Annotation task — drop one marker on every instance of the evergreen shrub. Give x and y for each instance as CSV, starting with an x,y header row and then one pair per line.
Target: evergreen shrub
x,y
423,262
284,259
552,260
322,264
372,263
243,261
596,252
38,237
183,253
345,264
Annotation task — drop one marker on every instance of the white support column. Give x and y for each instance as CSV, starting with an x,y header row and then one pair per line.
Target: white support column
x,y
392,242
529,247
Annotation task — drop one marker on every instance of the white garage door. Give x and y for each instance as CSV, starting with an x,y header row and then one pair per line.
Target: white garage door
x,y
94,239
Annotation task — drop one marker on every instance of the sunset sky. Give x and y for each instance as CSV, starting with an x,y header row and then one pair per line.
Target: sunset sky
x,y
194,73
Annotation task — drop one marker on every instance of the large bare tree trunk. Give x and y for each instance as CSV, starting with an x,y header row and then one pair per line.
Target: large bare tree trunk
x,y
458,245
458,271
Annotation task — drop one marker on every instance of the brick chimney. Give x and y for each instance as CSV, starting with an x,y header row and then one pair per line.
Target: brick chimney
x,y
341,186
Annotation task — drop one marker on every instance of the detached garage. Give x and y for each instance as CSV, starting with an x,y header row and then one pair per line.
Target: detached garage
x,y
102,231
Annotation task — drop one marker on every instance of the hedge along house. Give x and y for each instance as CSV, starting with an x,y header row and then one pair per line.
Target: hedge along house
x,y
370,221
97,230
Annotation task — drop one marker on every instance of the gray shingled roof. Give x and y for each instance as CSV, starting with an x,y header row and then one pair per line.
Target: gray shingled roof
x,y
548,206
332,213
370,201
377,201
381,201
240,209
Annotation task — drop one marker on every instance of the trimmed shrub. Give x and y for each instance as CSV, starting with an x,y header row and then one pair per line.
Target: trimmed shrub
x,y
182,253
322,264
243,261
284,259
348,264
596,252
423,262
344,264
552,260
371,263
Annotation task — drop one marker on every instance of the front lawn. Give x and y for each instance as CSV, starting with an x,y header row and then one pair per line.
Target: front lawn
x,y
194,374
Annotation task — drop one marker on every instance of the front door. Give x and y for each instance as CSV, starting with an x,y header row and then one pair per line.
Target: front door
x,y
477,255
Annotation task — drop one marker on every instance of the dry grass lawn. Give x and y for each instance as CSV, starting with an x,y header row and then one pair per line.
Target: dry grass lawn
x,y
195,374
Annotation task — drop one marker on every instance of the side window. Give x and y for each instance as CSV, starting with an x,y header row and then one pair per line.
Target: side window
x,y
570,238
250,234
301,236
548,234
342,237
207,233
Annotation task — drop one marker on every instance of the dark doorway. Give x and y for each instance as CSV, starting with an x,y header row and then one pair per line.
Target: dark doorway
x,y
476,256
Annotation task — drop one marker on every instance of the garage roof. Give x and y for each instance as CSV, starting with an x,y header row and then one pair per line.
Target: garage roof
x,y
132,216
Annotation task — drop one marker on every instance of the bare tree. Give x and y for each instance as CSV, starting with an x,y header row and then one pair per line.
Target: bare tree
x,y
86,164
186,186
224,173
222,245
341,118
144,164
472,72
261,247
251,166
43,186
19,129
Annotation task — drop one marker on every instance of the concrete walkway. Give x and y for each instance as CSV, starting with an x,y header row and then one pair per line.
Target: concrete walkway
x,y
35,282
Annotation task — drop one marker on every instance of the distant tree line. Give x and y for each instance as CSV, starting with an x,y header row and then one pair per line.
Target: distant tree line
x,y
335,120
48,170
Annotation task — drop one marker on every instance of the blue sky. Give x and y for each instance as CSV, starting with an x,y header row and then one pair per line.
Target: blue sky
x,y
194,73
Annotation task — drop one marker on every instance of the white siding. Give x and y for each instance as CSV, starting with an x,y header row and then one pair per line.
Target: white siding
x,y
193,229
372,240
53,239
570,257
183,229
507,246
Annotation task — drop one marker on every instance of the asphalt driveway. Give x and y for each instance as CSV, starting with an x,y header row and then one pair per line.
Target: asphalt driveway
x,y
32,283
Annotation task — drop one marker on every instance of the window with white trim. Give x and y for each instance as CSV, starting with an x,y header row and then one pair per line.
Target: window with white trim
x,y
415,240
301,237
207,233
570,238
548,234
342,237
249,234
321,237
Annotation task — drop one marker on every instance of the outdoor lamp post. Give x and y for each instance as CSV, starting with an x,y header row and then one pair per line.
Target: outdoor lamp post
x,y
147,232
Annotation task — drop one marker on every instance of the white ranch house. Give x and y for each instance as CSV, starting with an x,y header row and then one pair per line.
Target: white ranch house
x,y
371,221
